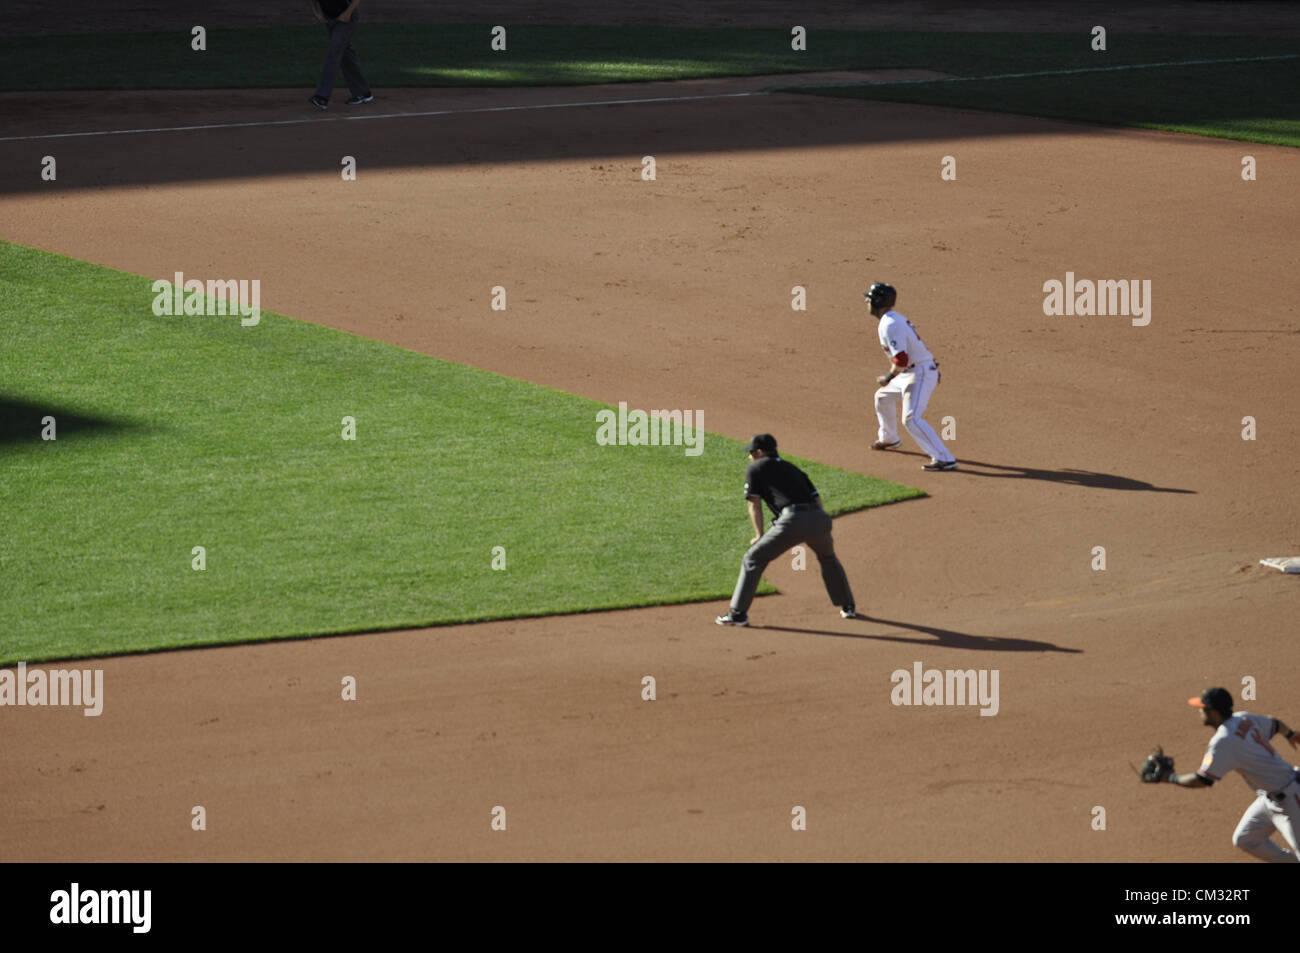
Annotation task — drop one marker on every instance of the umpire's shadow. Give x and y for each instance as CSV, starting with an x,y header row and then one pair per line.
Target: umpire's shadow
x,y
944,637
23,421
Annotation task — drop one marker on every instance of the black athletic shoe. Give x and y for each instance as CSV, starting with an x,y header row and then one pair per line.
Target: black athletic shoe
x,y
940,465
848,612
320,102
358,100
733,618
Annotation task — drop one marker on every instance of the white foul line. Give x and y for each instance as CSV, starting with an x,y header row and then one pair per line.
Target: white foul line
x,y
657,99
1050,72
434,112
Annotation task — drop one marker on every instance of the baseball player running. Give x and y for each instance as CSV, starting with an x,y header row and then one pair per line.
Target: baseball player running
x,y
1241,743
798,517
913,376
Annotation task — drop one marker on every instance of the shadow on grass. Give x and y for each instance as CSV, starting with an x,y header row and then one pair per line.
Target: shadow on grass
x,y
23,422
1255,98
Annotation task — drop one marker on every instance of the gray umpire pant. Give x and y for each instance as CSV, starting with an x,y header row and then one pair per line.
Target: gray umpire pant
x,y
342,54
801,523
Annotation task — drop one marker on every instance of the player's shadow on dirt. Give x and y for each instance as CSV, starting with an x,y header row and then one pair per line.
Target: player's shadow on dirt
x,y
1099,481
21,421
946,638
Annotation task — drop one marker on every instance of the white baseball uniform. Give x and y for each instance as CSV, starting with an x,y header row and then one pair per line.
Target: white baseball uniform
x,y
1242,744
914,385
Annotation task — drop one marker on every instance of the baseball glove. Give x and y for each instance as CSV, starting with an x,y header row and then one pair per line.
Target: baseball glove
x,y
1157,767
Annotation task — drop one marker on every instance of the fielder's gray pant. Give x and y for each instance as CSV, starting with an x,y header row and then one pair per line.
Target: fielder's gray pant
x,y
794,526
342,54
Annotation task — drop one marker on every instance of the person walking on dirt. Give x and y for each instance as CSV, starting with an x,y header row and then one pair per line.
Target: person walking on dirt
x,y
340,19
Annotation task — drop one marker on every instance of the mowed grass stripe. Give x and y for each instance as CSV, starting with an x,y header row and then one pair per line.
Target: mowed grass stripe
x,y
1247,101
460,54
179,432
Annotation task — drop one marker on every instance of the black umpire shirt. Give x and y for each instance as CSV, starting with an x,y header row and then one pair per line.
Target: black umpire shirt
x,y
779,483
334,8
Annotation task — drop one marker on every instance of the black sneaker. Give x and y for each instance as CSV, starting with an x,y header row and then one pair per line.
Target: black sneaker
x,y
848,612
733,618
320,102
940,465
359,100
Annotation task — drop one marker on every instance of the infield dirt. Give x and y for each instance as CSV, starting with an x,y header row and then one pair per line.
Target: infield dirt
x,y
1072,433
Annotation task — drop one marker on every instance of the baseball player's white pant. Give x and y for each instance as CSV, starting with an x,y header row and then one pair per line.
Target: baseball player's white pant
x,y
1260,820
914,386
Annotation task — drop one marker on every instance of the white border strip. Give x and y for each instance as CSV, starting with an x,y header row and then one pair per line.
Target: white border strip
x,y
435,112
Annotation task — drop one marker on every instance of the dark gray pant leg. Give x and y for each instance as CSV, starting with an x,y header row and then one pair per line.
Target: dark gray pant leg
x,y
341,53
780,537
803,526
836,582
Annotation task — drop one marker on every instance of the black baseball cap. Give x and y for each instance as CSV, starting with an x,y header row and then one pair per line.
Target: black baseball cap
x,y
762,441
1219,699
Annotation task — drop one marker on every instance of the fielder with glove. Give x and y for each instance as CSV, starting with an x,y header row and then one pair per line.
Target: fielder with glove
x,y
1241,742
1157,766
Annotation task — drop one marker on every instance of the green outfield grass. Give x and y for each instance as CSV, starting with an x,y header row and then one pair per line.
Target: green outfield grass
x,y
176,432
1254,102
426,54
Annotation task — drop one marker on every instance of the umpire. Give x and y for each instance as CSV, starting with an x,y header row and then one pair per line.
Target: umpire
x,y
798,517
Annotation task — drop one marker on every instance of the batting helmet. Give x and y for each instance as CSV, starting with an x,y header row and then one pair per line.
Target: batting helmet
x,y
880,294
